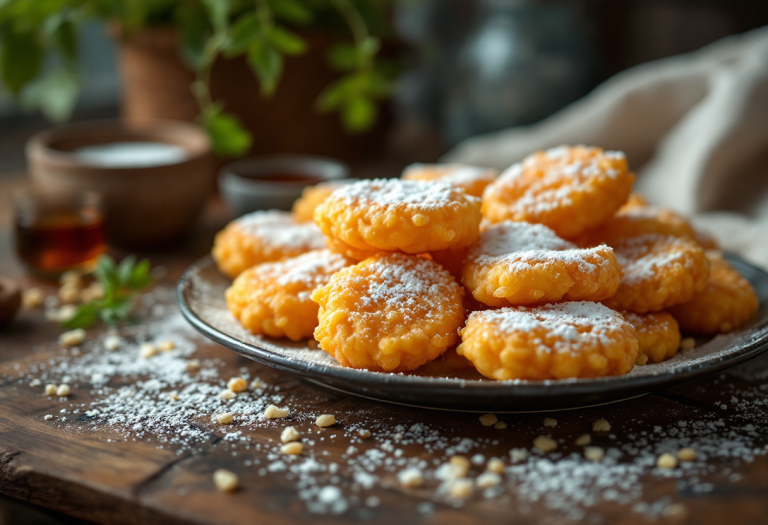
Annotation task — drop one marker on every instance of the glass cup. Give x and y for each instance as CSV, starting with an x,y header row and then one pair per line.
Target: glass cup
x,y
57,232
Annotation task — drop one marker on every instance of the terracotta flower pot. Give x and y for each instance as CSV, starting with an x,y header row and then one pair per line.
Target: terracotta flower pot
x,y
156,85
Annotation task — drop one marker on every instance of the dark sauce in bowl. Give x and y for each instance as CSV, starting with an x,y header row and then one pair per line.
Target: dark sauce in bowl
x,y
292,178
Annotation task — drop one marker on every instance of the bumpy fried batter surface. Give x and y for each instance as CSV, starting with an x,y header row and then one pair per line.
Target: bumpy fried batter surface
x,y
727,301
657,333
638,220
263,236
659,271
274,299
313,196
517,263
472,179
391,312
569,189
400,216
554,341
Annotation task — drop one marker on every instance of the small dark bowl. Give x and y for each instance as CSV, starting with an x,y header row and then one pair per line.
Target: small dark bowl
x,y
274,182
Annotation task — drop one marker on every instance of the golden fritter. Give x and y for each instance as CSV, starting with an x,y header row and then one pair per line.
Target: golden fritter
x,y
313,196
391,312
568,189
638,220
471,179
727,301
658,335
274,298
659,271
394,215
263,236
517,263
554,341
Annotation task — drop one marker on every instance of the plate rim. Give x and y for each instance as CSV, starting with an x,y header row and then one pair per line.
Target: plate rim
x,y
520,388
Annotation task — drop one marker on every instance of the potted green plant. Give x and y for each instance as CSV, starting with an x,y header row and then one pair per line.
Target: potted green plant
x,y
258,75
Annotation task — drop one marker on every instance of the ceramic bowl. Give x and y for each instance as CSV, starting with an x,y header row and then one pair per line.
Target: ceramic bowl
x,y
145,205
274,182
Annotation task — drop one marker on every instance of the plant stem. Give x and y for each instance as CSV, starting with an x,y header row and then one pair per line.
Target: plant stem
x,y
357,26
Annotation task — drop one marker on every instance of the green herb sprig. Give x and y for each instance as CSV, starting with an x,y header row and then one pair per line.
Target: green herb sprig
x,y
121,282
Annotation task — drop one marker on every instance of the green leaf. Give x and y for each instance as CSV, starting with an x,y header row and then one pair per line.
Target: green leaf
x,y
333,96
358,114
118,310
21,57
125,270
287,42
194,29
65,39
85,316
241,34
267,64
55,95
218,11
343,57
141,276
292,11
228,137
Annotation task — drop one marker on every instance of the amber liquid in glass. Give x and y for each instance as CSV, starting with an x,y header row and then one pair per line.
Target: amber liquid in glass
x,y
58,242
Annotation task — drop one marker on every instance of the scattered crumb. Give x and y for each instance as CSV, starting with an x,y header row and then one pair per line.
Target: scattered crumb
x,y
166,346
63,391
666,460
641,360
594,453
50,390
686,454
488,480
32,298
364,433
500,425
495,465
549,422
72,338
237,384
35,382
488,420
292,449
545,444
461,488
225,480
325,420
411,477
583,440
148,350
272,412
227,394
289,434
601,425
112,342
225,419
687,344
516,455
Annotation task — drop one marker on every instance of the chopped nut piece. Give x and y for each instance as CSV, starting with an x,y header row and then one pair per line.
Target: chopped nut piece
x,y
272,412
69,293
495,465
257,384
50,390
675,511
461,488
225,419
487,480
462,463
112,342
545,444
292,449
72,277
688,343
72,338
35,382
63,391
641,360
686,454
500,425
666,460
411,477
32,298
549,422
227,395
516,455
92,292
601,425
289,434
64,314
147,350
173,396
237,384
225,480
488,420
364,433
325,420
193,365
583,440
594,453
166,346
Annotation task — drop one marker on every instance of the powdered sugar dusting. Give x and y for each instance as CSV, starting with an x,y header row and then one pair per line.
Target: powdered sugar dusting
x,y
521,244
458,174
417,194
278,228
640,263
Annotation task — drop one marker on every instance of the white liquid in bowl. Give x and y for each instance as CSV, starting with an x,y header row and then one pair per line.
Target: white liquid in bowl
x,y
131,154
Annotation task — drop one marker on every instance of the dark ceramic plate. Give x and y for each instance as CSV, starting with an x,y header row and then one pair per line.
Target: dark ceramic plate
x,y
200,294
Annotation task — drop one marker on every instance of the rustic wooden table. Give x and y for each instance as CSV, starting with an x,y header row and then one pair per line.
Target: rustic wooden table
x,y
91,468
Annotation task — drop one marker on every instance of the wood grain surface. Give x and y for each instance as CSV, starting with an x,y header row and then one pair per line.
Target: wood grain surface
x,y
95,473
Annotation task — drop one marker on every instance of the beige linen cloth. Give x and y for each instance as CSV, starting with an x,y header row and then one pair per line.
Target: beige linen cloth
x,y
694,127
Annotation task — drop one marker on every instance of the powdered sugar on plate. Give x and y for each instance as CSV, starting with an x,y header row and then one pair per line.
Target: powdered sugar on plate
x,y
278,228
